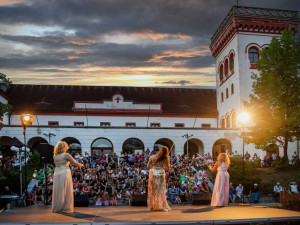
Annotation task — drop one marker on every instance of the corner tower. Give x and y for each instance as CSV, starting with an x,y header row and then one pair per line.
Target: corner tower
x,y
235,46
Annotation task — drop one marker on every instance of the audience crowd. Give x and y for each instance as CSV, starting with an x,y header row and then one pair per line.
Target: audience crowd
x,y
107,179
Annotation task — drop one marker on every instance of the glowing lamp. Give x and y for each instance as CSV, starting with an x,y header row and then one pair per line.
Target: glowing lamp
x,y
244,117
27,119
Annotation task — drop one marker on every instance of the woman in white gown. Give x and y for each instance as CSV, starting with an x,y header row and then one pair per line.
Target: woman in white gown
x,y
221,187
62,198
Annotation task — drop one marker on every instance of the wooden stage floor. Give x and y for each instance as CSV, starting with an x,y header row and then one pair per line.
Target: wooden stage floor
x,y
186,214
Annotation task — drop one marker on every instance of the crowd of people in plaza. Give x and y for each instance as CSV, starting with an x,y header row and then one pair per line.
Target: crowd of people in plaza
x,y
108,179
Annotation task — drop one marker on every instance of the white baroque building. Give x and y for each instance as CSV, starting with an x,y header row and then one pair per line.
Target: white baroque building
x,y
95,118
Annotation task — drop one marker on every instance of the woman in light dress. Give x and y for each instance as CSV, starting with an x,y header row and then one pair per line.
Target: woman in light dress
x,y
157,164
63,199
221,187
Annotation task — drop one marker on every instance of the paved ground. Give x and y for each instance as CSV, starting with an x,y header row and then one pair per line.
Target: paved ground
x,y
131,214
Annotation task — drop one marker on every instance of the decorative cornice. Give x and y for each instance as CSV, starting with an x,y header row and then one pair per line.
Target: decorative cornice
x,y
252,20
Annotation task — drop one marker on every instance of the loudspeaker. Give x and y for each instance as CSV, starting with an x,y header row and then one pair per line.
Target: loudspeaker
x,y
201,199
81,201
46,153
139,200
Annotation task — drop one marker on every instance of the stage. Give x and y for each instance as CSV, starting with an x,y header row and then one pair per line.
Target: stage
x,y
186,214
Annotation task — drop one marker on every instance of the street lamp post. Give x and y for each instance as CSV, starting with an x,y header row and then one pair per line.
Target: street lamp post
x,y
243,117
187,136
26,120
49,135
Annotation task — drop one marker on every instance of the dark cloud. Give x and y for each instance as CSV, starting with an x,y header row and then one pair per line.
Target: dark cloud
x,y
181,82
81,31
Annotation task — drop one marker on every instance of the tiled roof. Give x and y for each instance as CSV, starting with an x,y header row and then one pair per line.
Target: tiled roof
x,y
60,98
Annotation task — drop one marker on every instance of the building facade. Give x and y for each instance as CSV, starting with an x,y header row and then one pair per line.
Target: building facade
x,y
122,119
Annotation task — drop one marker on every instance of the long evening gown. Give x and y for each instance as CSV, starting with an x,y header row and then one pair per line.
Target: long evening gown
x,y
221,188
62,198
157,185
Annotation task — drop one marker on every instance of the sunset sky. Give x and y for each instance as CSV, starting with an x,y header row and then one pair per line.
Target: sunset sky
x,y
114,42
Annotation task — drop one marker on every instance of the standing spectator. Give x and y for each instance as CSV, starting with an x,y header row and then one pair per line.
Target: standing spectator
x,y
276,191
254,193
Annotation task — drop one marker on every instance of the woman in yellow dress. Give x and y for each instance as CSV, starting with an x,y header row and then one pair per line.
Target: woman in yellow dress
x,y
62,198
157,164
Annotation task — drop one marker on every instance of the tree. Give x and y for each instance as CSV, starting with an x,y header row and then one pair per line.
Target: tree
x,y
275,102
4,84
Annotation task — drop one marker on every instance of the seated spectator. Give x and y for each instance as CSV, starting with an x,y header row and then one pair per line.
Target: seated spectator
x,y
294,187
276,191
7,191
129,195
92,197
204,187
247,155
177,200
239,192
39,194
28,199
231,192
49,194
295,158
106,199
172,194
40,177
183,193
254,194
114,201
98,201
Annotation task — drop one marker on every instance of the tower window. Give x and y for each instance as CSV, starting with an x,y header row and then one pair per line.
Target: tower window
x,y
232,89
253,54
222,97
233,119
227,121
226,67
226,92
222,123
221,71
231,62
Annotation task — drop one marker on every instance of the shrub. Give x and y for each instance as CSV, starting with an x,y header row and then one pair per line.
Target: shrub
x,y
290,201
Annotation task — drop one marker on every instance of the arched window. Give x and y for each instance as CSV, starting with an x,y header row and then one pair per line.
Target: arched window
x,y
233,119
232,89
226,67
227,121
222,123
221,72
253,54
231,62
226,92
222,97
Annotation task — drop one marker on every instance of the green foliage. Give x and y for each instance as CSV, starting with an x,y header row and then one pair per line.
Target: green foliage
x,y
275,100
4,82
35,159
11,177
236,173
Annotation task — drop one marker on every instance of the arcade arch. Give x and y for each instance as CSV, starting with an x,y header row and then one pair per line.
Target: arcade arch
x,y
164,142
220,146
101,144
195,147
133,145
74,144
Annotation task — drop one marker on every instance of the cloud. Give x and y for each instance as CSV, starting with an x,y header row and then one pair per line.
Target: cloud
x,y
102,39
181,82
